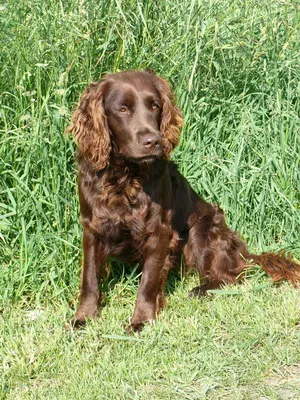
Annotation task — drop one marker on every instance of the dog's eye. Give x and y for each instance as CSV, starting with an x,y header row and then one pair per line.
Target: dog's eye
x,y
123,109
155,106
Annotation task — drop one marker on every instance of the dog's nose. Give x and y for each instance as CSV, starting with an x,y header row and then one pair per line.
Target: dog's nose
x,y
151,141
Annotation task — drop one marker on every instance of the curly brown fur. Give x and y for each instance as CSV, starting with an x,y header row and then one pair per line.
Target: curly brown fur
x,y
137,207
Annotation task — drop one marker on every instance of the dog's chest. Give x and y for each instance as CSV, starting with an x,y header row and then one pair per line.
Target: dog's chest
x,y
122,210
121,214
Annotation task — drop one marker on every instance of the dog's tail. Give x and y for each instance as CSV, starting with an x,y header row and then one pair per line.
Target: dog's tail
x,y
278,266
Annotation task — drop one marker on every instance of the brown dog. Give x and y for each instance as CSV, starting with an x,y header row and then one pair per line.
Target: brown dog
x,y
137,207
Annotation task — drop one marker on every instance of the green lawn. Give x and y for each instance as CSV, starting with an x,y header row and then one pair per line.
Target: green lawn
x,y
234,66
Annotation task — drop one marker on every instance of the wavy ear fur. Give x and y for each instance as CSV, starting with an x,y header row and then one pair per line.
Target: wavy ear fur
x,y
89,127
172,120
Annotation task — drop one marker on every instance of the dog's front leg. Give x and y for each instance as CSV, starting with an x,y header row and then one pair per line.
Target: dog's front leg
x,y
93,264
155,270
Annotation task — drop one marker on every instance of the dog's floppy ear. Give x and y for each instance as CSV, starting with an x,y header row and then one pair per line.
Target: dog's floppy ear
x,y
171,120
89,126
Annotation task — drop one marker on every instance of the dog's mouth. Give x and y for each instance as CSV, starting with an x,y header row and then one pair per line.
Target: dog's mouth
x,y
140,158
146,159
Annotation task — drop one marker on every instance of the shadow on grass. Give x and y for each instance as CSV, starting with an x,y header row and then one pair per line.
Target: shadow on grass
x,y
131,273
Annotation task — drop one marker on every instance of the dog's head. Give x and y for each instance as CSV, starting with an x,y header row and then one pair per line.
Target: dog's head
x,y
131,114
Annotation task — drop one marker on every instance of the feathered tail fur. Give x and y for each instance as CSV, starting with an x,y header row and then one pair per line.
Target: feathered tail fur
x,y
278,266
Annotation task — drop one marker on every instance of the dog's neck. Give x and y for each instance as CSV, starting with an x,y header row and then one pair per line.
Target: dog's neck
x,y
121,165
121,169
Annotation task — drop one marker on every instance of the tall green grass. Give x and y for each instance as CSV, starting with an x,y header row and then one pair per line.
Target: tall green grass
x,y
234,66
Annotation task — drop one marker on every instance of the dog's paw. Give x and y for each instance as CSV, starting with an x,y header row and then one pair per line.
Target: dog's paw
x,y
137,327
131,328
198,291
81,318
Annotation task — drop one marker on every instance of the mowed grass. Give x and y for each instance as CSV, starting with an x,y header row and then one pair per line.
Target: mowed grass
x,y
234,66
223,347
